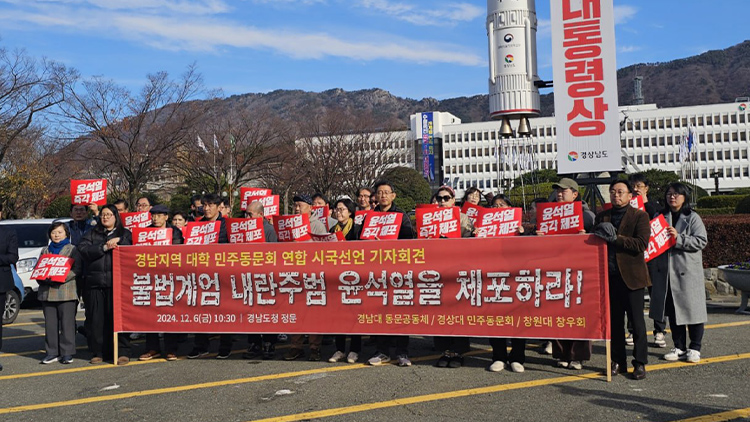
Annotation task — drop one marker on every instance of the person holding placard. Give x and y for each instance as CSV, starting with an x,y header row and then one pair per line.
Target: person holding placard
x,y
59,300
678,289
472,195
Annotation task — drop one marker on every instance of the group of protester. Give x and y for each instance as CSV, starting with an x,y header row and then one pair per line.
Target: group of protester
x,y
674,278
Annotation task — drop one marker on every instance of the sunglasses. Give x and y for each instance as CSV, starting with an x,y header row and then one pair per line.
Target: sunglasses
x,y
445,198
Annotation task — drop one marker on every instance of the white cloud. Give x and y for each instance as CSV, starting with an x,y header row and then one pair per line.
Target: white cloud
x,y
434,14
624,13
628,48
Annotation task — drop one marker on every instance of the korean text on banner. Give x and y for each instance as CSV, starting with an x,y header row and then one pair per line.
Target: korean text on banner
x,y
559,217
438,222
248,195
52,267
293,228
472,211
359,216
245,230
330,237
381,226
660,240
585,79
494,222
131,220
152,236
270,205
538,287
85,192
321,213
202,232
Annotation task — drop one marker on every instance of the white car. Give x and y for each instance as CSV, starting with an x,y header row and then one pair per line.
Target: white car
x,y
32,237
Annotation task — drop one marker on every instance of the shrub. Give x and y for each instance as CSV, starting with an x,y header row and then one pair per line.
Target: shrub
x,y
715,211
727,239
743,207
720,201
741,191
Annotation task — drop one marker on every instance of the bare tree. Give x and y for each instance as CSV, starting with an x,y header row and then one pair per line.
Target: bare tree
x,y
340,152
132,138
27,88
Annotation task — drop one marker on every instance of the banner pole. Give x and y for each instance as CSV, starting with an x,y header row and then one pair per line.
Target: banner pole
x,y
116,354
609,361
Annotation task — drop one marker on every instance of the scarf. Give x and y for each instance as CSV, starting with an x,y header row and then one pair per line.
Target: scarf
x,y
345,228
56,247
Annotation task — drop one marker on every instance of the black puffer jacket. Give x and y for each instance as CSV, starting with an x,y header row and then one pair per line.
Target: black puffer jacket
x,y
98,263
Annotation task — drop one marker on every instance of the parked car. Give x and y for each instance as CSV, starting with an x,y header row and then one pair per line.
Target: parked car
x,y
32,238
13,299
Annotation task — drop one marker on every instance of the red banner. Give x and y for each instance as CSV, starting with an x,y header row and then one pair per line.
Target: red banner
x,y
359,216
381,226
660,240
438,222
321,212
202,232
248,195
636,202
87,192
472,211
152,236
245,230
52,267
293,228
270,205
132,220
494,222
331,237
559,217
526,287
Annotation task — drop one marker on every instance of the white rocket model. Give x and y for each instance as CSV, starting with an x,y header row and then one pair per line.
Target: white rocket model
x,y
511,30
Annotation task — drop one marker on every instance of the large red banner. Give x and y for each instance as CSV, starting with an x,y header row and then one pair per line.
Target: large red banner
x,y
527,287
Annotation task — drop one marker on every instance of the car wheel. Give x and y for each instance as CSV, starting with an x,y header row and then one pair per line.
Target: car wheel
x,y
12,307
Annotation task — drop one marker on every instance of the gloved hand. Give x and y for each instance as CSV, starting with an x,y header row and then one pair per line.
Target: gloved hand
x,y
606,231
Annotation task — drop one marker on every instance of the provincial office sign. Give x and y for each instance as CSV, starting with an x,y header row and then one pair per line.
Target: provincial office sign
x,y
428,146
585,79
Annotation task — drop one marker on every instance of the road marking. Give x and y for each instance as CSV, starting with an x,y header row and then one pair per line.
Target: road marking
x,y
720,417
25,336
485,390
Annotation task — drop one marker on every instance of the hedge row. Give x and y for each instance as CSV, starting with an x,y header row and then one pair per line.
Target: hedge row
x,y
715,211
720,201
728,241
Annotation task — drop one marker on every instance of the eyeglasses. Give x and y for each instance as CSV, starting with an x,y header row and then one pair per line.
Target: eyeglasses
x,y
672,194
383,192
445,198
618,192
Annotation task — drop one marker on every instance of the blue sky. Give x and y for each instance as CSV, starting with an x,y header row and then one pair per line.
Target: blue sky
x,y
415,49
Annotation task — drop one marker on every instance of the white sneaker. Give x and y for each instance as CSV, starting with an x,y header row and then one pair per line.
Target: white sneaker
x,y
546,348
576,365
336,357
660,339
497,366
379,359
693,356
352,357
516,367
563,363
675,355
403,360
629,340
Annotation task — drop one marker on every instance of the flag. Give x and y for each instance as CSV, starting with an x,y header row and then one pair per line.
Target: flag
x,y
201,145
216,145
690,138
683,151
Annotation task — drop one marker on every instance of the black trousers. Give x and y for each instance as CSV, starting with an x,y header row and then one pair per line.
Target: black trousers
x,y
459,345
623,301
383,344
659,326
680,332
170,342
225,342
259,339
100,325
355,346
500,350
60,327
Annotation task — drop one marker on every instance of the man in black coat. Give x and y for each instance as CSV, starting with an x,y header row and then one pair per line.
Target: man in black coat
x,y
8,257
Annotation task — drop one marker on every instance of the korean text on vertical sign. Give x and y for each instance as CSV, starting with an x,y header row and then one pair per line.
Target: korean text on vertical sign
x,y
494,222
152,235
559,217
131,220
52,267
381,225
472,211
293,228
321,213
428,146
660,240
438,222
85,192
248,195
585,79
202,232
245,230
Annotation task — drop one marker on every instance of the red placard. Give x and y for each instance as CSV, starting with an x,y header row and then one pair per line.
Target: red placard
x,y
85,192
636,202
525,287
152,236
381,225
131,220
438,222
293,228
494,222
321,212
52,267
202,232
330,237
660,240
245,230
248,195
270,205
559,217
472,211
359,216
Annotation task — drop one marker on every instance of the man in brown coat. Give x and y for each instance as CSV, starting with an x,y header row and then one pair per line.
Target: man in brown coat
x,y
627,232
